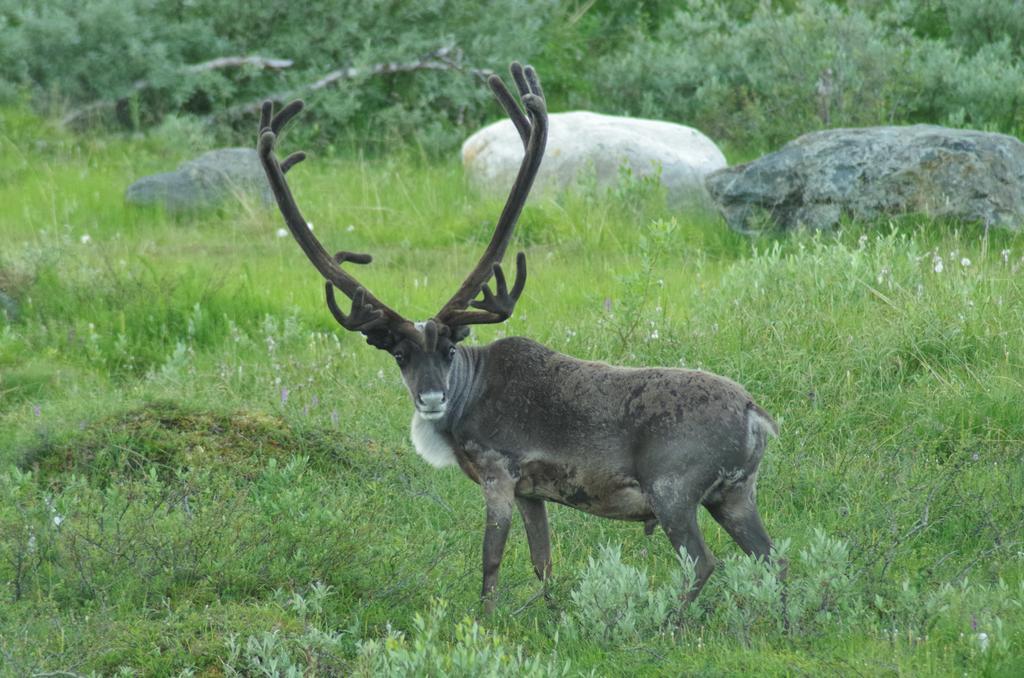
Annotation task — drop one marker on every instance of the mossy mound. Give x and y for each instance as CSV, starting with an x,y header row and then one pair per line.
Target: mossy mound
x,y
168,438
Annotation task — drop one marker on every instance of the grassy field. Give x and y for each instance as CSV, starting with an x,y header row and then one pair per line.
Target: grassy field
x,y
201,474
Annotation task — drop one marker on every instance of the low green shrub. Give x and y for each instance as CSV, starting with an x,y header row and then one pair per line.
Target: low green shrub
x,y
313,650
615,602
435,647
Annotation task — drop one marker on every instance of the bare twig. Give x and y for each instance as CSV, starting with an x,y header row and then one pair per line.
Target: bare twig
x,y
958,578
403,583
442,59
533,599
212,65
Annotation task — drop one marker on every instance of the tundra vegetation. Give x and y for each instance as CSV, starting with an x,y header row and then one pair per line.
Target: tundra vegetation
x,y
199,474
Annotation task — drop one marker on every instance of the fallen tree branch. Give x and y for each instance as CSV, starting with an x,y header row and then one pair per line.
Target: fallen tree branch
x,y
265,63
442,59
212,65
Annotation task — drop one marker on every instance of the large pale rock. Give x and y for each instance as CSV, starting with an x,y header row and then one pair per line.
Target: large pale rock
x,y
876,172
206,181
590,145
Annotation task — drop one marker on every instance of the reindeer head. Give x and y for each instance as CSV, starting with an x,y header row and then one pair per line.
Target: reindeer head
x,y
425,352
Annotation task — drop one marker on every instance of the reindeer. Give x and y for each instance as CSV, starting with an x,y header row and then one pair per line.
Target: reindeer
x,y
530,425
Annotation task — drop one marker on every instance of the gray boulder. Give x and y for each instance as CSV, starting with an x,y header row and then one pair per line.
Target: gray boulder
x,y
584,144
207,181
876,172
8,308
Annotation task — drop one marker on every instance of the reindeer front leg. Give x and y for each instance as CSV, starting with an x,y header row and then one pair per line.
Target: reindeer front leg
x,y
498,485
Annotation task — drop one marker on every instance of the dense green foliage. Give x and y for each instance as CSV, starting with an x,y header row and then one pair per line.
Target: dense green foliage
x,y
199,473
750,74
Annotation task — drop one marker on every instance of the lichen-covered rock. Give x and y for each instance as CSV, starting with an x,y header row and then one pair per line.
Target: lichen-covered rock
x,y
583,144
875,172
206,181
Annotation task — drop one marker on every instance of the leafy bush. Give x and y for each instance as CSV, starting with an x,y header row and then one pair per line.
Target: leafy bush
x,y
762,78
313,650
824,596
615,602
471,651
829,594
64,52
977,23
752,74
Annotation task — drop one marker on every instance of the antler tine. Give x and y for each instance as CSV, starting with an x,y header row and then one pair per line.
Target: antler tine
x,y
500,306
533,131
519,76
292,160
533,81
369,315
496,306
504,98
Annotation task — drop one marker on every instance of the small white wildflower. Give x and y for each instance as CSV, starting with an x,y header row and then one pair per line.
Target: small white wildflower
x,y
862,241
380,374
85,239
351,227
1005,254
57,520
982,641
937,264
282,232
654,334
965,262
309,225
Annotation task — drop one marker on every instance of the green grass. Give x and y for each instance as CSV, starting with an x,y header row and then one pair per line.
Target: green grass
x,y
190,450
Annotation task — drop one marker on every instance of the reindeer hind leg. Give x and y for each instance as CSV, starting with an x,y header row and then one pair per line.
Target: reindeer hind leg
x,y
736,511
676,511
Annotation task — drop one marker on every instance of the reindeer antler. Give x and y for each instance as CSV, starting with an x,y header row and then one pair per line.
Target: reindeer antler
x,y
495,308
381,325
